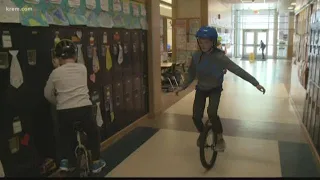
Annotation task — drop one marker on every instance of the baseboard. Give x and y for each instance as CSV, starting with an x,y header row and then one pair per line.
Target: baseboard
x,y
104,145
306,133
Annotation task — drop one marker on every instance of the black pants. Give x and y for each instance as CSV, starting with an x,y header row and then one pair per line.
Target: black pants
x,y
262,53
68,139
199,106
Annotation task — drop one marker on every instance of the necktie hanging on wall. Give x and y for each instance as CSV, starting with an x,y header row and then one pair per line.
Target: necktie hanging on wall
x,y
80,54
99,116
16,77
95,61
111,110
120,56
108,103
108,59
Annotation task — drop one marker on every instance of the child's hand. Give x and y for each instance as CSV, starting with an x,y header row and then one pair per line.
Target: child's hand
x,y
224,71
261,88
55,62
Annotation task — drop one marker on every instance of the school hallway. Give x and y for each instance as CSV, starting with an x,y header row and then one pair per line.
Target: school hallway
x,y
263,134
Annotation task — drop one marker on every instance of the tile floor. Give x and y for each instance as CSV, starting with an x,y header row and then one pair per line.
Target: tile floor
x,y
264,136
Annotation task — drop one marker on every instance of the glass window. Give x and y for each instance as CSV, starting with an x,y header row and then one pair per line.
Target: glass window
x,y
270,38
270,50
249,37
249,49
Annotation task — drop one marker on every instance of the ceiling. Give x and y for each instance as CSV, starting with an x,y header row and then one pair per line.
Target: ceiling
x,y
247,1
282,5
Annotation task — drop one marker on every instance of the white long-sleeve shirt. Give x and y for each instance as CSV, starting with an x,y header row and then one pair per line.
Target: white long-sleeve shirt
x,y
67,87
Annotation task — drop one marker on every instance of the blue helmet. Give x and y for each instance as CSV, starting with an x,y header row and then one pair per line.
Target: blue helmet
x,y
207,32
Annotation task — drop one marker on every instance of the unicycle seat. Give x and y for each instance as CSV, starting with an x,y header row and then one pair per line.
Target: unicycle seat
x,y
77,126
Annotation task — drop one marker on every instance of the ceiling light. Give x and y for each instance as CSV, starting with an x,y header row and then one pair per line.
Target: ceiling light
x,y
165,6
293,4
290,7
246,1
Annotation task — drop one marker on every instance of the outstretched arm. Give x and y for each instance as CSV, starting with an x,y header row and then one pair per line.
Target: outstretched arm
x,y
237,70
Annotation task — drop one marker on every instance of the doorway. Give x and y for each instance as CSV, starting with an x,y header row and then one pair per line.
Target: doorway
x,y
251,43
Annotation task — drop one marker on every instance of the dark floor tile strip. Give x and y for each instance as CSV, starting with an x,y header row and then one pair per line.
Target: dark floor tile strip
x,y
121,149
232,127
297,160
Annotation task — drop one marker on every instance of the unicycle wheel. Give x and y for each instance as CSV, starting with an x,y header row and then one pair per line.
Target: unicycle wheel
x,y
205,147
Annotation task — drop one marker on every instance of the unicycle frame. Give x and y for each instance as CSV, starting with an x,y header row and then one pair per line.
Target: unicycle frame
x,y
81,148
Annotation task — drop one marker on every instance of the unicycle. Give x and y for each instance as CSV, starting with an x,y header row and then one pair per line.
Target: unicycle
x,y
204,145
83,156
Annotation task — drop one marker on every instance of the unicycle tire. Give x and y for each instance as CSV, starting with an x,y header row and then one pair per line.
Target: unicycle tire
x,y
203,146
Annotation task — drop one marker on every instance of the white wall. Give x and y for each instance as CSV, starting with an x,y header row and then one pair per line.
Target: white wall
x,y
215,7
188,8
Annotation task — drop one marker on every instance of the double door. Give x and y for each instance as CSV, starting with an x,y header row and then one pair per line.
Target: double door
x,y
251,42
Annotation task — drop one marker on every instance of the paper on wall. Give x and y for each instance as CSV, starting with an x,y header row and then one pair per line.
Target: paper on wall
x,y
181,31
8,16
91,4
116,5
105,20
104,4
4,60
126,6
74,3
55,1
135,9
32,1
143,10
6,41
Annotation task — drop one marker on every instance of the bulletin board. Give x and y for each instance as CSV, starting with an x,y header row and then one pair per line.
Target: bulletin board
x,y
186,42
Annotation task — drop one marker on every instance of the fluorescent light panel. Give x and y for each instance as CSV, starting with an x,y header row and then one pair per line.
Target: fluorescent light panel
x,y
165,6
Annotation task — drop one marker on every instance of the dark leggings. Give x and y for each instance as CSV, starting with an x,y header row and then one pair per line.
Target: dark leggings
x,y
212,110
67,118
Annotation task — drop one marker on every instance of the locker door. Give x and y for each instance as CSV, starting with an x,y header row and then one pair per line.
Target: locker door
x,y
317,128
310,107
136,55
90,39
317,79
118,101
145,96
144,51
127,53
137,96
128,98
311,69
108,108
117,66
104,43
